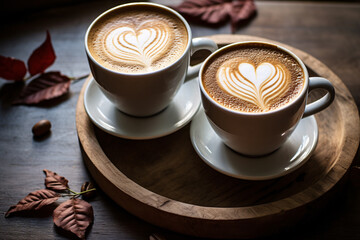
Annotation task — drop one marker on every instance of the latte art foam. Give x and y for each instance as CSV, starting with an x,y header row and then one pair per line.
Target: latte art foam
x,y
253,77
138,40
141,46
257,85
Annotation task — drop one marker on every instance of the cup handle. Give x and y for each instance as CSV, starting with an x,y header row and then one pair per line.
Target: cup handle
x,y
198,44
323,102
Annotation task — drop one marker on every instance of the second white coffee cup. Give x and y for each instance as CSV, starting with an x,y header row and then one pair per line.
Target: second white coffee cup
x,y
259,133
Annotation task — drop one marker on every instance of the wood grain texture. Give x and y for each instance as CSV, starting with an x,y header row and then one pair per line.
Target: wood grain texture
x,y
164,182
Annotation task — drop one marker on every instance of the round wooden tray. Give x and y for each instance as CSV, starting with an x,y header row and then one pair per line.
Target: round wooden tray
x,y
164,182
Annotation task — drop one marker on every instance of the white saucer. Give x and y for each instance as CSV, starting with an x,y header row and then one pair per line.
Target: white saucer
x,y
293,154
108,118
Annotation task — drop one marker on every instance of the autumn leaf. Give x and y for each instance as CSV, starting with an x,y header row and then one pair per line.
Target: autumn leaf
x,y
55,182
74,215
217,12
45,87
42,57
243,10
209,11
12,69
34,201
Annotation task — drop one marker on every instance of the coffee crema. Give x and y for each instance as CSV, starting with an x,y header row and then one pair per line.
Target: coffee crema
x,y
253,77
137,39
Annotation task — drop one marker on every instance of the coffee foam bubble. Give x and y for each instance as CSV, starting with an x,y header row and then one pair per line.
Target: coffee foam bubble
x,y
138,41
253,78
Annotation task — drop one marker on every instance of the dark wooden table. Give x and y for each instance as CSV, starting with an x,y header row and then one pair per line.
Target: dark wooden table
x,y
328,31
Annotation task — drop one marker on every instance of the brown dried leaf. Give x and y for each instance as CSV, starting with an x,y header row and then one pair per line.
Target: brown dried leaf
x,y
34,201
55,182
74,215
217,12
242,11
47,86
209,11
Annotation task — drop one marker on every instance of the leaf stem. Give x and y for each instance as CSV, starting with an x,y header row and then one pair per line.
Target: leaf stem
x,y
76,194
76,79
31,77
89,190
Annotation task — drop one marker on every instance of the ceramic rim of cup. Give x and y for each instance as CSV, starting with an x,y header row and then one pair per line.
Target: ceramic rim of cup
x,y
297,98
189,34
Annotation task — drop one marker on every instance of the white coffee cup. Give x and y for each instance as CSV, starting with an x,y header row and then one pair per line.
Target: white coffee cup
x,y
255,134
145,94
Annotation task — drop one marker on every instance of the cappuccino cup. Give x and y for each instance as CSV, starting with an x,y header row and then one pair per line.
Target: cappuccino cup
x,y
139,55
255,93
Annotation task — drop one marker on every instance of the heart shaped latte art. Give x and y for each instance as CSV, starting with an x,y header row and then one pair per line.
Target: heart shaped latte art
x,y
141,46
258,85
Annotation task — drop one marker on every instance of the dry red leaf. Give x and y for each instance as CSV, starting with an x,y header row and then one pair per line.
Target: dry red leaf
x,y
243,10
45,87
55,182
34,201
216,12
42,57
209,11
12,69
74,215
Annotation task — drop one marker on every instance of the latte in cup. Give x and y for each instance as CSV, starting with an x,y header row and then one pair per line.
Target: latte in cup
x,y
253,78
137,39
